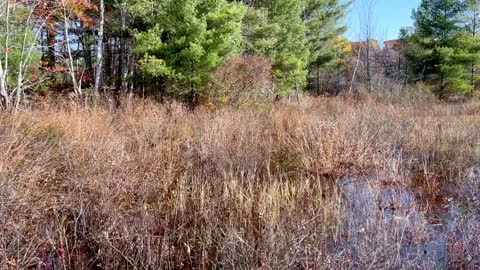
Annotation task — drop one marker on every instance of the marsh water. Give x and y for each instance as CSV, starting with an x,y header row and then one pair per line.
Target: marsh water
x,y
421,223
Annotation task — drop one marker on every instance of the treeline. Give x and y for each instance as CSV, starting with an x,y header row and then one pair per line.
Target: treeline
x,y
223,51
194,50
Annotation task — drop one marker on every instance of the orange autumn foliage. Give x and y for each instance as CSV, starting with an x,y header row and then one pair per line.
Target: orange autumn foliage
x,y
51,10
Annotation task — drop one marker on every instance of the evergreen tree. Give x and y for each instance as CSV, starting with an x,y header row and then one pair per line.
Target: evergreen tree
x,y
472,38
259,34
440,50
189,40
322,19
438,19
279,34
295,35
291,53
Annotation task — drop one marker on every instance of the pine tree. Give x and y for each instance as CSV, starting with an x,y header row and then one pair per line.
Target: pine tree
x,y
298,36
472,17
322,19
280,37
291,54
440,50
189,40
259,34
438,19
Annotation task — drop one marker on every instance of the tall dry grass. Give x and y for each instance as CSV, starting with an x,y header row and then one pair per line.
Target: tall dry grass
x,y
162,187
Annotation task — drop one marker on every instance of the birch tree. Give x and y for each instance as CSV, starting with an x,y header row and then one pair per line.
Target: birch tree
x,y
98,73
6,9
19,52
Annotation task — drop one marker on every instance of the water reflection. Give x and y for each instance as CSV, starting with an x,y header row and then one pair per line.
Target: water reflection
x,y
389,216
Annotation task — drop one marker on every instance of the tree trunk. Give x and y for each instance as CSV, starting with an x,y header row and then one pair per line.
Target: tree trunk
x,y
5,100
66,25
369,75
354,75
51,47
474,36
87,54
122,66
99,49
108,62
5,97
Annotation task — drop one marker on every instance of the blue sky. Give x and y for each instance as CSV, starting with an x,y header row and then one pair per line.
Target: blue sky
x,y
389,16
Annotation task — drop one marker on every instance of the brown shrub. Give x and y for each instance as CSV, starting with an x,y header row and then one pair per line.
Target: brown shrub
x,y
242,80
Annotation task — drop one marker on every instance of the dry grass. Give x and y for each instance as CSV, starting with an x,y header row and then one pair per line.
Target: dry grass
x,y
161,187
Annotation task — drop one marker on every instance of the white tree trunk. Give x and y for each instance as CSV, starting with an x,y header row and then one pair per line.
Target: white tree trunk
x,y
124,47
5,97
71,67
99,66
355,72
4,101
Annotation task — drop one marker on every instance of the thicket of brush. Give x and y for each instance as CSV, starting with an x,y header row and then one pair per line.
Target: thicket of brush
x,y
163,187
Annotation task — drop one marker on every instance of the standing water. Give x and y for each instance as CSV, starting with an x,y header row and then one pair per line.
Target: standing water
x,y
388,216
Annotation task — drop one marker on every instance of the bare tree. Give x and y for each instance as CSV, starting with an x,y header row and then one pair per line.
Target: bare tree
x,y
354,75
367,33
